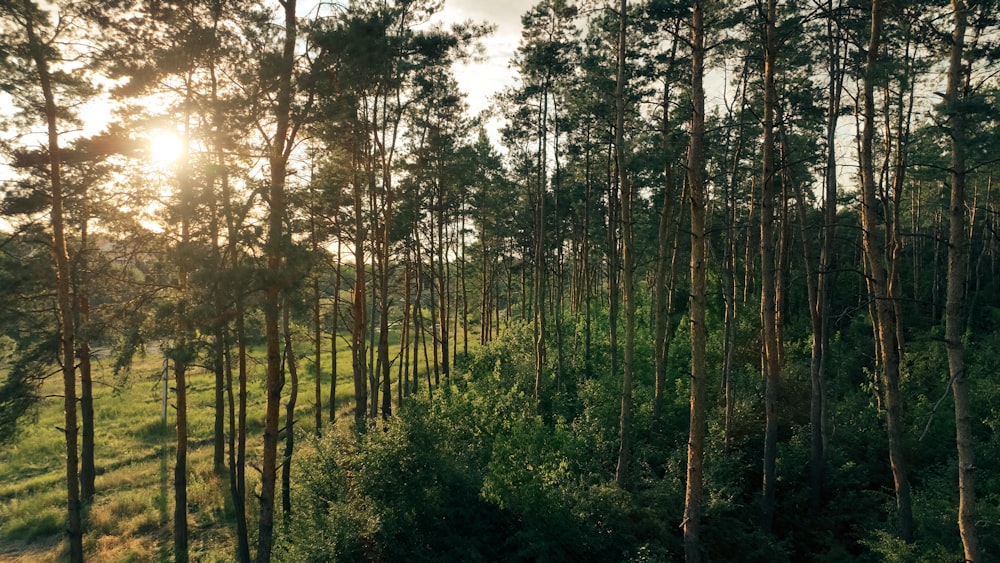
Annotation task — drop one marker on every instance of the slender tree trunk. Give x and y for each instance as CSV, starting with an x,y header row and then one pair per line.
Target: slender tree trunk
x,y
383,335
335,329
820,344
317,326
242,530
665,271
419,330
418,314
443,283
538,318
218,339
218,351
614,264
278,161
182,350
293,394
237,413
180,465
373,370
403,373
768,265
628,258
885,314
958,249
588,278
88,470
435,300
74,526
360,313
699,373
729,265
465,291
487,275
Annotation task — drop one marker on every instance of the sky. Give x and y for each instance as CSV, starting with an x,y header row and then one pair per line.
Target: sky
x,y
483,79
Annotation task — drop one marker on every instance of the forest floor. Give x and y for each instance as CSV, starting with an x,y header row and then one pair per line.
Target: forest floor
x,y
131,517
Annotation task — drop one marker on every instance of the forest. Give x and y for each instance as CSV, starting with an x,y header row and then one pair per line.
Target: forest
x,y
707,281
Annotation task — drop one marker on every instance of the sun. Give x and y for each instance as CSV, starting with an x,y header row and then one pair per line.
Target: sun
x,y
165,147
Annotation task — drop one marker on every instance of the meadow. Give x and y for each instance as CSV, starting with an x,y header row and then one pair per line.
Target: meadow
x,y
130,518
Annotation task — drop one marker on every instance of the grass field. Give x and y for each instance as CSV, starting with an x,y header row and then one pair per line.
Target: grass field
x,y
131,516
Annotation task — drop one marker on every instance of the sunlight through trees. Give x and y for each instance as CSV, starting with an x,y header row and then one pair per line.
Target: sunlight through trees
x,y
699,284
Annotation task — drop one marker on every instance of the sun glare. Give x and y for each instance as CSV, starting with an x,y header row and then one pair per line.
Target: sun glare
x,y
166,147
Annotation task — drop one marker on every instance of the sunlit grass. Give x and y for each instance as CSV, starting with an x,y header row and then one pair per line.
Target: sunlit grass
x,y
131,517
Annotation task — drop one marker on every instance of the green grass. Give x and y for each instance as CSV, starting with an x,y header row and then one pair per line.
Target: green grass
x,y
131,516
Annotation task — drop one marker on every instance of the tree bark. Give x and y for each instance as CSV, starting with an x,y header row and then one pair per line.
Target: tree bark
x,y
335,329
538,317
180,463
278,161
885,313
74,526
699,373
665,266
820,344
88,470
628,258
293,394
958,249
768,266
360,313
316,321
183,347
237,413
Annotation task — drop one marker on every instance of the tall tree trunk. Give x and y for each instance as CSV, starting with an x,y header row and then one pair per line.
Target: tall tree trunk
x,y
665,270
699,373
237,413
335,329
384,246
885,313
180,464
820,344
443,283
419,330
316,320
768,265
278,161
88,472
588,278
538,318
614,264
183,347
628,258
816,320
293,395
383,333
360,313
729,265
487,276
373,369
958,249
465,289
435,300
74,526
237,430
218,339
403,373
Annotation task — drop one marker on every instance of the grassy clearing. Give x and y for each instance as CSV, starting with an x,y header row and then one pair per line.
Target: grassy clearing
x,y
131,516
